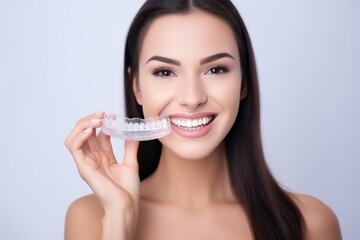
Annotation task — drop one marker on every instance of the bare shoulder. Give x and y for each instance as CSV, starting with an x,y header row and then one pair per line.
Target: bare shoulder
x,y
321,222
83,219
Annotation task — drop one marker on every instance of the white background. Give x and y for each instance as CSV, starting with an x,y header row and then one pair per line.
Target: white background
x,y
60,60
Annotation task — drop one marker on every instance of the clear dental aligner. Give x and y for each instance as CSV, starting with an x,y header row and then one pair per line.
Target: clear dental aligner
x,y
136,129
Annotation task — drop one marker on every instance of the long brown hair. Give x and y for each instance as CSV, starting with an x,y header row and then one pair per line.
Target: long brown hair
x,y
272,214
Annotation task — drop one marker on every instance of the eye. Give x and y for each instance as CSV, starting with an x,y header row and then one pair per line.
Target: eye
x,y
164,72
217,70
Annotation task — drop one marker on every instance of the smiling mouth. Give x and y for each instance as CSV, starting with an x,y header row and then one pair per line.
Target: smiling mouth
x,y
192,124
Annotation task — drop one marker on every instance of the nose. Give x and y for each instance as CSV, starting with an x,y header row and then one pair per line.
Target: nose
x,y
191,93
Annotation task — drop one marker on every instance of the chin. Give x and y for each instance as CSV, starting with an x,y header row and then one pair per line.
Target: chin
x,y
193,150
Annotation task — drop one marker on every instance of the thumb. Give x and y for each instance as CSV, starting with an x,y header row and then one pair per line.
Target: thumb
x,y
130,158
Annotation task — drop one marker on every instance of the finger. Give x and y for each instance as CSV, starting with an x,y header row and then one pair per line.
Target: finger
x,y
93,142
106,147
104,142
85,159
86,147
82,138
79,140
79,146
88,122
130,158
84,125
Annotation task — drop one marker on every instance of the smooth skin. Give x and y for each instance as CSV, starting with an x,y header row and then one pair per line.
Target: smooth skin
x,y
116,186
189,196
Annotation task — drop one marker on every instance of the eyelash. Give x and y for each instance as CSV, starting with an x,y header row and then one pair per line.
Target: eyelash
x,y
220,69
163,72
167,72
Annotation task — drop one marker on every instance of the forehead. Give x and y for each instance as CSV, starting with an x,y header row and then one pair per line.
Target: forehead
x,y
191,35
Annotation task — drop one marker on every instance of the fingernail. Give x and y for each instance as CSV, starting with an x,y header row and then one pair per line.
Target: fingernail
x,y
98,113
88,129
95,120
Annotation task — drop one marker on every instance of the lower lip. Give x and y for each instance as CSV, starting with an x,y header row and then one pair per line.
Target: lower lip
x,y
193,133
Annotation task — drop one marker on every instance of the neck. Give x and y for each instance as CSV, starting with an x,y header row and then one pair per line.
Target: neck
x,y
194,182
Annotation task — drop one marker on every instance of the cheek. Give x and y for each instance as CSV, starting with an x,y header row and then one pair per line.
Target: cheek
x,y
228,94
234,96
154,99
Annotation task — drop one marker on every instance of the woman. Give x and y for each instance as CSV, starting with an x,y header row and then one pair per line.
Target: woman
x,y
192,61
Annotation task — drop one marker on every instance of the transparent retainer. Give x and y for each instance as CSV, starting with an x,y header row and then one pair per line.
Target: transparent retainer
x,y
136,129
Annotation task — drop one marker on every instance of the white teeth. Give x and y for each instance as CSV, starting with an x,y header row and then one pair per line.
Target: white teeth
x,y
182,122
191,123
188,123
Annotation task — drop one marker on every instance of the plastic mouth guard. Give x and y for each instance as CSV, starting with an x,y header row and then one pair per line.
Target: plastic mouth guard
x,y
136,129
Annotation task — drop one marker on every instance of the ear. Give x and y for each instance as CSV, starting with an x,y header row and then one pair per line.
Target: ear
x,y
244,90
135,86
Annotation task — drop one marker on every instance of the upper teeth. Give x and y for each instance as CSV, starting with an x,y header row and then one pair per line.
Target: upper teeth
x,y
190,123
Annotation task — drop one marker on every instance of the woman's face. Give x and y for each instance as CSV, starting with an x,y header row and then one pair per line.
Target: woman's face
x,y
189,69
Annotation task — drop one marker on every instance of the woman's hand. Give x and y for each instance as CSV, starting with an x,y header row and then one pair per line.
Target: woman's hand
x,y
116,185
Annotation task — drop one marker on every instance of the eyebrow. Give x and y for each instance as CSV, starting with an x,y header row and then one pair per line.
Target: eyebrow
x,y
202,61
164,59
215,57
